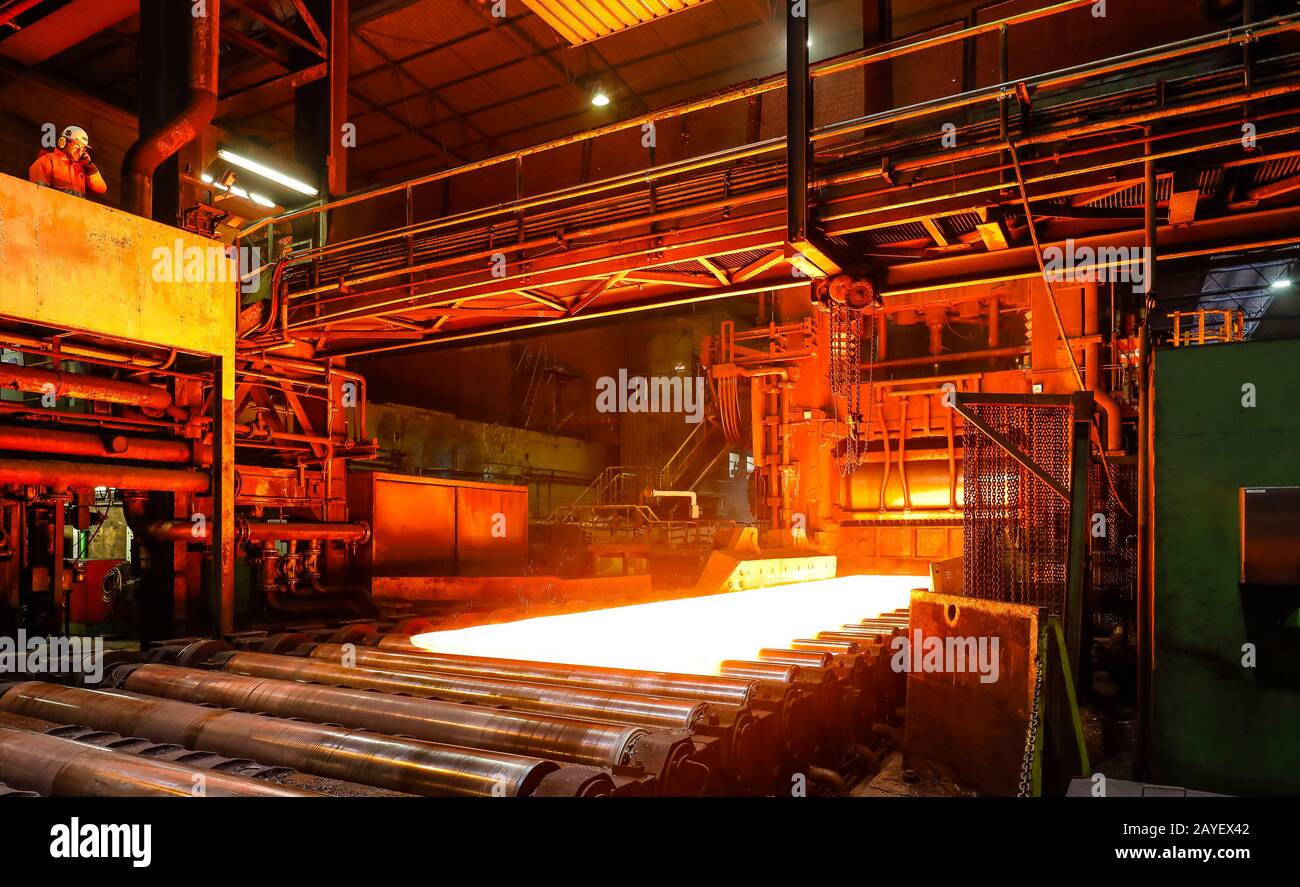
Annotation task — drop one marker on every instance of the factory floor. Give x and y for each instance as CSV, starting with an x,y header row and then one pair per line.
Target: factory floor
x,y
896,781
1109,717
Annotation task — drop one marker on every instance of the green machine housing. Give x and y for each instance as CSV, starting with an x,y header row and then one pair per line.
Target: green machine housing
x,y
1225,691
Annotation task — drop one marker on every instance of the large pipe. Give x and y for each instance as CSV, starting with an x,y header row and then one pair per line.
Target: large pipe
x,y
404,765
51,766
89,475
688,686
471,726
79,385
1092,370
147,154
680,494
626,708
267,531
101,446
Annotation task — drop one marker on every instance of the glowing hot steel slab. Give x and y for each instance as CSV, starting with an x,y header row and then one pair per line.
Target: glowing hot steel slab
x,y
690,635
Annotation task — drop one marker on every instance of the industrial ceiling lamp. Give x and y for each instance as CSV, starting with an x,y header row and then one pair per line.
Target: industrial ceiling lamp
x,y
1283,279
267,173
599,97
226,184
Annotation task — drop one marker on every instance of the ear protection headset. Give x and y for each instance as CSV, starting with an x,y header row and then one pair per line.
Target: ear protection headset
x,y
73,132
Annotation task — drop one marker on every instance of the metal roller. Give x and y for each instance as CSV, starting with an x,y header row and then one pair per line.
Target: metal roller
x,y
397,643
843,648
795,657
761,671
55,767
599,705
733,691
471,726
404,765
847,635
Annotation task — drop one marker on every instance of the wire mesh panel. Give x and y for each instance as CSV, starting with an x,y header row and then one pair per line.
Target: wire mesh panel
x,y
1113,531
1016,527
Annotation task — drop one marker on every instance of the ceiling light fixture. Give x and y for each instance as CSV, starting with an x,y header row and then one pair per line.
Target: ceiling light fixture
x,y
267,173
238,192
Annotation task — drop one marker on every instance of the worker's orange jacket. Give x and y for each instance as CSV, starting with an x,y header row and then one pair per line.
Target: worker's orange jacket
x,y
54,169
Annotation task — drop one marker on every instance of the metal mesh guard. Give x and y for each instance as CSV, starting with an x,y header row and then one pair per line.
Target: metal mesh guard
x,y
1016,527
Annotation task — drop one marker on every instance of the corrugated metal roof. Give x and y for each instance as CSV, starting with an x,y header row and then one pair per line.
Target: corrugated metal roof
x,y
581,21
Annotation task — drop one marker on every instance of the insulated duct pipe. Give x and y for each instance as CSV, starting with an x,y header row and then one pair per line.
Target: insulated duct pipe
x,y
147,154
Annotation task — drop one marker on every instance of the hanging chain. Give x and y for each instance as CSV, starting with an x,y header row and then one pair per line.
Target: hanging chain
x,y
871,376
846,329
835,318
1027,761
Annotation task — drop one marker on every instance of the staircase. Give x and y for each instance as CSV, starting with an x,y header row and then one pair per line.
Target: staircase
x,y
696,456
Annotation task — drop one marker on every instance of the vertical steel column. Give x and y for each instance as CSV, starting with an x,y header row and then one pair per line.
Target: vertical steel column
x,y
1076,572
798,120
60,598
223,495
1145,570
340,40
313,121
878,79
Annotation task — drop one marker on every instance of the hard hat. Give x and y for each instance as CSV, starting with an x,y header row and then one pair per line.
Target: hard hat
x,y
76,134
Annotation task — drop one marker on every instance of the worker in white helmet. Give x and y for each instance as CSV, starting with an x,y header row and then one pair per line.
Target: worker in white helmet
x,y
68,166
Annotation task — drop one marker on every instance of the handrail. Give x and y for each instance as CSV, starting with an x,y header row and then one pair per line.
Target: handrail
x,y
995,92
1220,38
857,58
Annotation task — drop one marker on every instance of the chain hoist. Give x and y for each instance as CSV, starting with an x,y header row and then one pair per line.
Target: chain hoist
x,y
846,301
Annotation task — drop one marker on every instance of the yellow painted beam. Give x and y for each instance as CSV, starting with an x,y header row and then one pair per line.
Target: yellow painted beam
x,y
78,265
